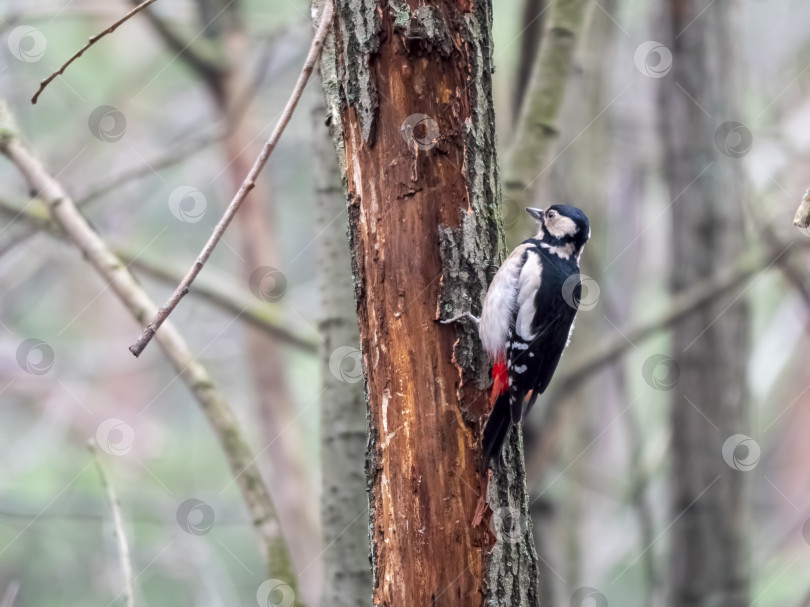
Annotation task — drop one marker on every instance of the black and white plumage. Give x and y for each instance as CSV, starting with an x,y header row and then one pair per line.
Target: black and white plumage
x,y
528,316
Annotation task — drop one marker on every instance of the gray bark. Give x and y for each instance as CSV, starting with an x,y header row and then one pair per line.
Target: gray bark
x,y
424,229
709,558
344,504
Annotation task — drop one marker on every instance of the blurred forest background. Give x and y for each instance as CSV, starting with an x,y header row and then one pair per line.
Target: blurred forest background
x,y
153,147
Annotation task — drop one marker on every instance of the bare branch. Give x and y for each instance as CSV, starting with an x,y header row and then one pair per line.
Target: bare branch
x,y
206,68
792,274
90,42
802,218
9,240
680,305
118,525
182,152
247,185
240,457
264,316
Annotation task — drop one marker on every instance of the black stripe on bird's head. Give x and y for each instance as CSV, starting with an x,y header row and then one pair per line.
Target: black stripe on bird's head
x,y
561,225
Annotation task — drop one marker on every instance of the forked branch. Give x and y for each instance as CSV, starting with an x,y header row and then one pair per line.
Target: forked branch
x,y
240,457
247,185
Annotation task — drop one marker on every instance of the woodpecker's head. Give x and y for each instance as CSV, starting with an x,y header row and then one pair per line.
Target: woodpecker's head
x,y
562,226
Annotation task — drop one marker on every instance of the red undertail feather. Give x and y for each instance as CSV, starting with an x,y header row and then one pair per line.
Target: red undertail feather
x,y
500,383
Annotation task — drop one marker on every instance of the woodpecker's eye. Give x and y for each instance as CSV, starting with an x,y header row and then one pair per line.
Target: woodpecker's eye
x,y
551,214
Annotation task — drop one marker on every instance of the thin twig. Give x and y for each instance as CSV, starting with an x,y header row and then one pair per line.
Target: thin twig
x,y
9,240
90,42
118,526
792,274
177,155
240,457
247,185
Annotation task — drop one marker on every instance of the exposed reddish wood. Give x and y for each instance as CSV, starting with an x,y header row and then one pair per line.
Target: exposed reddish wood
x,y
425,448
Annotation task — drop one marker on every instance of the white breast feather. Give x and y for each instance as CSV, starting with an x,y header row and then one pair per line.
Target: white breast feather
x,y
528,284
500,305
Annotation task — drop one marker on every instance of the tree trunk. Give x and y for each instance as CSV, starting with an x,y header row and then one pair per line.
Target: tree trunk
x,y
413,109
344,507
532,22
709,564
528,164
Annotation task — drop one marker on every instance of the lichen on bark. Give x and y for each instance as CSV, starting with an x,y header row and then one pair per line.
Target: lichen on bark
x,y
426,236
359,22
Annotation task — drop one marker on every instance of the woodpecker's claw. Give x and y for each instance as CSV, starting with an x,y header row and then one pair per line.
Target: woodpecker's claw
x,y
462,316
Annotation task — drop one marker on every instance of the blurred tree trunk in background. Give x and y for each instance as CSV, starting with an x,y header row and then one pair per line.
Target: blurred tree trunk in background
x,y
532,23
289,477
709,549
344,503
230,83
413,115
536,131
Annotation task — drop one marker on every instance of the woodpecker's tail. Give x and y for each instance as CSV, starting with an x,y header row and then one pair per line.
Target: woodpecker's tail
x,y
500,382
500,419
495,433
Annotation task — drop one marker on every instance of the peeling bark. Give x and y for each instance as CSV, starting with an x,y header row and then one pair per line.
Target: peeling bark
x,y
411,101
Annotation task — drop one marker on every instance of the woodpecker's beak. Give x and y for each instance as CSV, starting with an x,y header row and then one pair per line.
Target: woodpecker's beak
x,y
537,214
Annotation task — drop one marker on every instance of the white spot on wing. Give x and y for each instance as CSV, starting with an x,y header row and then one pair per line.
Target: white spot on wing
x,y
529,283
500,305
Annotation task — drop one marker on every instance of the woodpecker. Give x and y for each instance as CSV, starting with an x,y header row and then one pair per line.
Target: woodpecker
x,y
528,317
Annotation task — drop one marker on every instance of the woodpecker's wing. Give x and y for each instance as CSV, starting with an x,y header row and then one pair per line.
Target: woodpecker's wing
x,y
501,304
541,329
